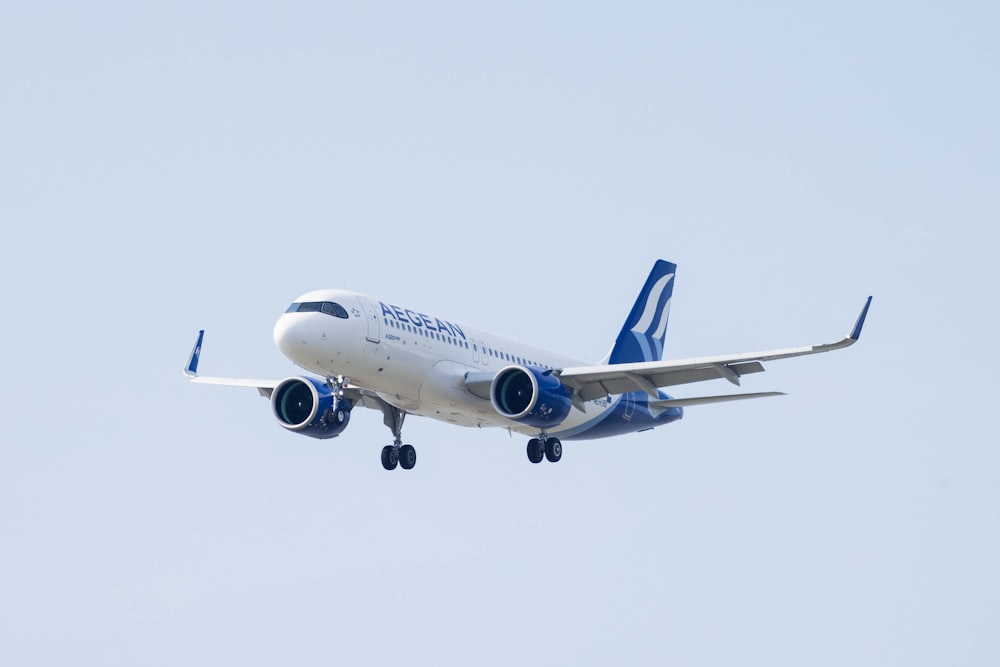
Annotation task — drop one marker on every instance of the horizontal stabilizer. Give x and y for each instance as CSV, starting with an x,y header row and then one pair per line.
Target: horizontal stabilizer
x,y
702,400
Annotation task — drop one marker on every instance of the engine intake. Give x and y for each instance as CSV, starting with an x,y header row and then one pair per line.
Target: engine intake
x,y
531,396
310,407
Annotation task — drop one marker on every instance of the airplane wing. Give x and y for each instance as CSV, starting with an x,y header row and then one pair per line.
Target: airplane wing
x,y
264,387
592,382
356,395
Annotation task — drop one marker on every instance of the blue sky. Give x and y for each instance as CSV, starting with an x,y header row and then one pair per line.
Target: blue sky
x,y
516,167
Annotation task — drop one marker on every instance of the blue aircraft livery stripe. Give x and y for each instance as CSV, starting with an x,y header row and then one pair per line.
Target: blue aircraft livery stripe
x,y
628,413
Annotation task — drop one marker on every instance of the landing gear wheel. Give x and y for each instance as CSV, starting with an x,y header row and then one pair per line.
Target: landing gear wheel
x,y
535,450
553,449
407,457
390,457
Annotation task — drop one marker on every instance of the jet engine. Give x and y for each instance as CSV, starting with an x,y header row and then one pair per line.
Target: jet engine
x,y
310,407
531,396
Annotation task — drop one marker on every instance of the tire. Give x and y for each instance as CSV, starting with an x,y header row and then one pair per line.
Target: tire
x,y
390,457
407,457
553,450
535,451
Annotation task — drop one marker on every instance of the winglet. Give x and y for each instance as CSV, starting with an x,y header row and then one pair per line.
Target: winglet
x,y
191,369
856,331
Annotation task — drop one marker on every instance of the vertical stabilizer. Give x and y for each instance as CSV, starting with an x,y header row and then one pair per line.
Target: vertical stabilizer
x,y
641,339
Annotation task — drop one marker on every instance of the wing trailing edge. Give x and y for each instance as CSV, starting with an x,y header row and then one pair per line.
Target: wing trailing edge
x,y
704,400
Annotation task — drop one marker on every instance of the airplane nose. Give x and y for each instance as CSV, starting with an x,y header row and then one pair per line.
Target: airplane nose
x,y
291,335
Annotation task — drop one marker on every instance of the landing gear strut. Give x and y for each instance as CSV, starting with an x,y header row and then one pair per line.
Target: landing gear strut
x,y
544,447
397,453
337,384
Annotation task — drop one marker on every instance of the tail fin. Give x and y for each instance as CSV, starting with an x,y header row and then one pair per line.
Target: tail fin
x,y
641,339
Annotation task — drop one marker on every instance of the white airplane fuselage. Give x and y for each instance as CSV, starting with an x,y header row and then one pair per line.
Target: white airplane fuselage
x,y
412,360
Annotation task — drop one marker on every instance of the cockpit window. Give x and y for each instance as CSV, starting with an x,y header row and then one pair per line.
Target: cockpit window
x,y
328,307
334,309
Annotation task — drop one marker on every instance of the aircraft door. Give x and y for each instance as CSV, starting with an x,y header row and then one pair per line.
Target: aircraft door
x,y
374,322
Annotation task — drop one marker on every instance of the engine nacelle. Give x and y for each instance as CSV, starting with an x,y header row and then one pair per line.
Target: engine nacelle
x,y
310,407
530,396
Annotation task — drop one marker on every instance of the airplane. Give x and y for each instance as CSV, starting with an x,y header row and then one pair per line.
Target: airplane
x,y
370,353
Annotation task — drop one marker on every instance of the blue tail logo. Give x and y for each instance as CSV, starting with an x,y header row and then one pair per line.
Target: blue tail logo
x,y
641,339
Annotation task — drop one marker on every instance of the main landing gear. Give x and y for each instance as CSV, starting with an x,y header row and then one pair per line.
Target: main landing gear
x,y
397,453
544,447
404,455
